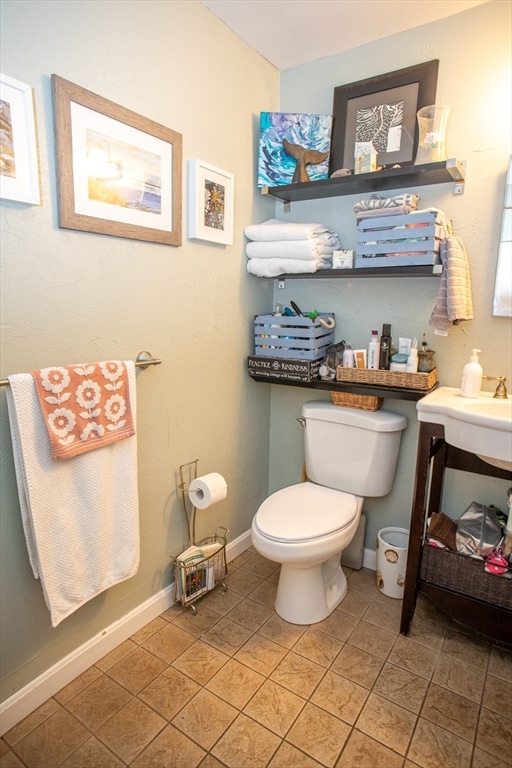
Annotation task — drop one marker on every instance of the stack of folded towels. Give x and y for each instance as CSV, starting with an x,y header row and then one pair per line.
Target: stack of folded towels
x,y
282,248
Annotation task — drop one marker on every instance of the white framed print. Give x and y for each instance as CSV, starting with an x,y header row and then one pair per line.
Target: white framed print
x,y
19,173
211,193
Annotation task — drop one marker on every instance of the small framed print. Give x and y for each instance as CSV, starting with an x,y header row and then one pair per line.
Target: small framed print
x,y
211,203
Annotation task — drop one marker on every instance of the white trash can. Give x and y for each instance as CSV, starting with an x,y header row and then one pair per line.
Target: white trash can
x,y
392,545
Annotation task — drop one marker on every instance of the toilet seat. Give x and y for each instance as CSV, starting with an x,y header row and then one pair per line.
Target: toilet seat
x,y
293,514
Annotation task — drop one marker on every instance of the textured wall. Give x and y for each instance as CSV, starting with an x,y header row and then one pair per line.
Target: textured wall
x,y
69,296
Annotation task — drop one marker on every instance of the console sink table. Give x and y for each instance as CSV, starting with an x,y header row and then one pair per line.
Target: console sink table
x,y
472,597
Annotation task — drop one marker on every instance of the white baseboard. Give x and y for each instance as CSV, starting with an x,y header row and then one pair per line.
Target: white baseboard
x,y
370,559
39,690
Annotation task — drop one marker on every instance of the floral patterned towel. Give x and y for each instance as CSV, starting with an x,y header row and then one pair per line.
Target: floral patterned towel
x,y
85,406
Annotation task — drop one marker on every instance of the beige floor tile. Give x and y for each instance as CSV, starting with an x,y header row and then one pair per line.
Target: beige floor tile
x,y
243,582
385,614
451,711
242,558
130,730
205,718
318,647
246,743
298,674
434,747
265,593
468,649
387,723
365,582
376,641
413,657
357,665
497,696
355,604
281,631
338,624
319,734
31,722
99,701
169,692
274,707
219,601
135,671
428,633
227,636
170,748
485,760
494,734
250,614
92,754
236,683
363,752
261,654
459,677
402,687
500,664
198,623
427,612
211,762
116,655
77,685
169,643
288,756
9,760
200,662
340,696
52,741
150,629
260,566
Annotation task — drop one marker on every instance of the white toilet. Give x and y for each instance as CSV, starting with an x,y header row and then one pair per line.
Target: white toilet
x,y
350,454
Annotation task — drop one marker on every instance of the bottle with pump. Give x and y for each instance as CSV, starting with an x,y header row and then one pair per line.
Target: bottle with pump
x,y
385,347
374,351
412,360
472,376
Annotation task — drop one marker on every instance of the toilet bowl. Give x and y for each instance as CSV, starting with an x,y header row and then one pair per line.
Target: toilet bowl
x,y
308,546
349,454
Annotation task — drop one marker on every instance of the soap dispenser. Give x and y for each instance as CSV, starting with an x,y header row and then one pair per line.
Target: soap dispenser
x,y
472,376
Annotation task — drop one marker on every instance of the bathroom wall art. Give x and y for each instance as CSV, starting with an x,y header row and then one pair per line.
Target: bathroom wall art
x,y
19,174
211,193
311,133
378,116
118,173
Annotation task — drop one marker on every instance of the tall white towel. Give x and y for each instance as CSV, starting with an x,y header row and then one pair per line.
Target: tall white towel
x,y
80,517
275,229
290,249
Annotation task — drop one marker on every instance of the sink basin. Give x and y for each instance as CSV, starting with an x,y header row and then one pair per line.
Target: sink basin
x,y
481,425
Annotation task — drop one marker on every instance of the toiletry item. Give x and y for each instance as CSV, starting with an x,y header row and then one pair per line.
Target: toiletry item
x,y
399,358
412,360
385,347
374,351
348,356
398,367
278,310
360,358
472,376
404,345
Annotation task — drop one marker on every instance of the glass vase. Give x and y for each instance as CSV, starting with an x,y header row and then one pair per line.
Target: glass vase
x,y
432,123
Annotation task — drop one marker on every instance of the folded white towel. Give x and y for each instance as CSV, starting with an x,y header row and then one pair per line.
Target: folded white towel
x,y
80,516
454,299
275,229
274,267
289,249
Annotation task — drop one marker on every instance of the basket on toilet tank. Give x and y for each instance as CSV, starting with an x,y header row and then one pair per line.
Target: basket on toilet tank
x,y
392,545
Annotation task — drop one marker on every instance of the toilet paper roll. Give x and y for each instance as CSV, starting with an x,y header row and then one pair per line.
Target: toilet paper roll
x,y
207,490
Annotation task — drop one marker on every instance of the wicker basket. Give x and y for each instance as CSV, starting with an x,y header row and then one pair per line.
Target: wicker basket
x,y
422,381
349,400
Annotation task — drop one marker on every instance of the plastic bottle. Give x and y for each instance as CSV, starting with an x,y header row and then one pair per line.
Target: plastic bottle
x,y
348,356
472,377
374,351
385,347
412,360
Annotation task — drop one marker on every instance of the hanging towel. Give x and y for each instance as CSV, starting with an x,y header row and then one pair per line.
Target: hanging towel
x,y
275,229
80,517
290,249
454,299
84,406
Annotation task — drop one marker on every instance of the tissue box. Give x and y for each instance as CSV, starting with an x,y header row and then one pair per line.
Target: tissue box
x,y
342,259
291,337
405,240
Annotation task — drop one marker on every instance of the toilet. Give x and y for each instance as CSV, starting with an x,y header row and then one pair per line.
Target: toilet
x,y
350,454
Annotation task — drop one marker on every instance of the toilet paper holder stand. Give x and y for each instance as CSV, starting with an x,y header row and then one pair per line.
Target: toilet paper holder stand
x,y
213,568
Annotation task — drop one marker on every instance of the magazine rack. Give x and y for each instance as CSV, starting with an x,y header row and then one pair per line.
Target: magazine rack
x,y
203,565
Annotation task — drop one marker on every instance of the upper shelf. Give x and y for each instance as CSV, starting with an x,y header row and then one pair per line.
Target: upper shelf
x,y
376,181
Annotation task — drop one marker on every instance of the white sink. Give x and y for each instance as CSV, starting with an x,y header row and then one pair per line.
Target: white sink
x,y
481,425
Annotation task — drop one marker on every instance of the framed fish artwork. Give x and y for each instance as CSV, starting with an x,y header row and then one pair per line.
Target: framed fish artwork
x,y
293,148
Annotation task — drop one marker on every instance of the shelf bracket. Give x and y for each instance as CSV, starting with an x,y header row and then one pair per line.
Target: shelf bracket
x,y
457,170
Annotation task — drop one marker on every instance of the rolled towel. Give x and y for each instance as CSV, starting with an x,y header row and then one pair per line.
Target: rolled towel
x,y
275,229
290,249
378,202
275,267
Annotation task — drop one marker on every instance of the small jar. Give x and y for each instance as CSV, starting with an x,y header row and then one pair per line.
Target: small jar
x,y
426,361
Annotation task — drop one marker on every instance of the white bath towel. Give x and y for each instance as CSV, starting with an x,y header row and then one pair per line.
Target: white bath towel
x,y
290,249
454,299
274,267
80,516
275,229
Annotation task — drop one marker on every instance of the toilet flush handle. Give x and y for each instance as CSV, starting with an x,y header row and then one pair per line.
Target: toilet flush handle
x,y
302,421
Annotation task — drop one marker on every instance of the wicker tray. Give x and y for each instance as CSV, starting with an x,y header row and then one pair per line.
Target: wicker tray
x,y
387,378
465,575
364,402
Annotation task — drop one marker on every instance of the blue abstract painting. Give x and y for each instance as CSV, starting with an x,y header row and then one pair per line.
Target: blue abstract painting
x,y
275,166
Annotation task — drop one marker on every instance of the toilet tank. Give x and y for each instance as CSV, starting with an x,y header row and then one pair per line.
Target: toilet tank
x,y
350,449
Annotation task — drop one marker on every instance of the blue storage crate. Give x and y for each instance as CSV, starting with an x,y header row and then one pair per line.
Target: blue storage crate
x,y
393,241
292,337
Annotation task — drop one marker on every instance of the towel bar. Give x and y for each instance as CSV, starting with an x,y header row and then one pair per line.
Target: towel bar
x,y
143,360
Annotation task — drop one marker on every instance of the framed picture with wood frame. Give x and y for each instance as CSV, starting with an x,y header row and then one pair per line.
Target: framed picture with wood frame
x,y
378,116
118,173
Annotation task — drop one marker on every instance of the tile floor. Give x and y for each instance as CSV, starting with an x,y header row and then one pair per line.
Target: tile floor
x,y
237,686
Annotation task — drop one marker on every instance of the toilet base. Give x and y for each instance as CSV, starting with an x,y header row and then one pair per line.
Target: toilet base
x,y
309,593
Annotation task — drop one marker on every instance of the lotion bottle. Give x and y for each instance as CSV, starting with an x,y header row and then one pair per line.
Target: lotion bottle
x,y
374,351
348,356
412,360
472,377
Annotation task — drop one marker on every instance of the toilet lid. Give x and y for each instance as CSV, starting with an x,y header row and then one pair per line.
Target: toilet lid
x,y
305,512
